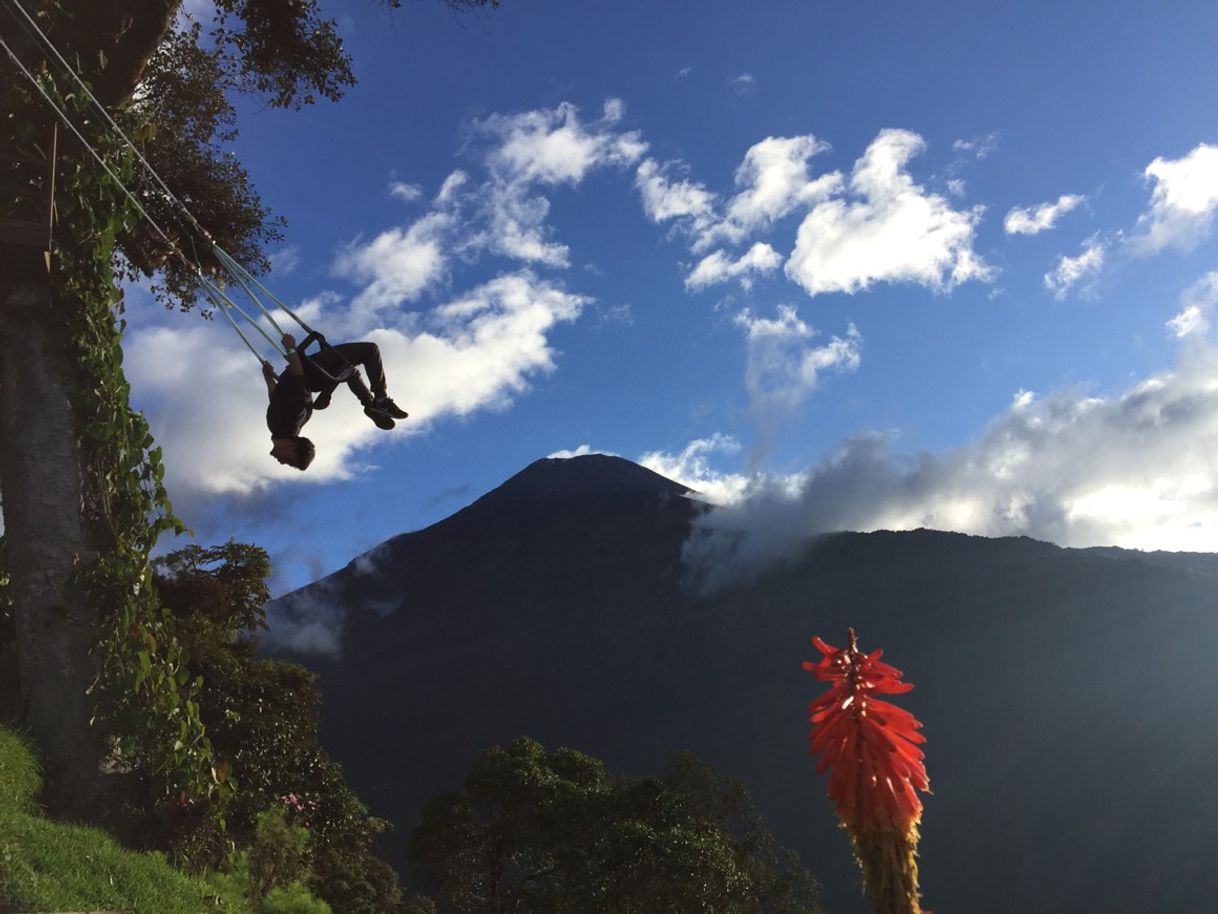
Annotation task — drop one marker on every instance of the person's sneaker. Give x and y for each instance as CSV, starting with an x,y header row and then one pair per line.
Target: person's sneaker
x,y
385,404
322,400
379,416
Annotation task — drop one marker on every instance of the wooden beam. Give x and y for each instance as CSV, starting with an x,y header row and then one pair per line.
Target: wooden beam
x,y
24,234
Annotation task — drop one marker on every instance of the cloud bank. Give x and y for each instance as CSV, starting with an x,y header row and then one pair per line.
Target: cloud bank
x,y
1136,469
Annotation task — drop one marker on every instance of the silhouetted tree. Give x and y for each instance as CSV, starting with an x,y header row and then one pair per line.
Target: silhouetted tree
x,y
534,832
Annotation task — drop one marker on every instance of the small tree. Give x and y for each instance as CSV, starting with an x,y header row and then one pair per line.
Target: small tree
x,y
262,719
551,833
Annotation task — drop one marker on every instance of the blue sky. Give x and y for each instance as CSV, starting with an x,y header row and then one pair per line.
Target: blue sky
x,y
835,265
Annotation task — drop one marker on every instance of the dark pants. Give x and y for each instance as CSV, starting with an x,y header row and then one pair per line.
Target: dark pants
x,y
335,360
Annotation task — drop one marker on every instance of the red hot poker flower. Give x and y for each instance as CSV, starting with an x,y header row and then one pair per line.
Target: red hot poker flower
x,y
868,745
875,769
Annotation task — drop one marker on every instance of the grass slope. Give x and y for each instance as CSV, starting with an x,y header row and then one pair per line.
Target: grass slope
x,y
48,866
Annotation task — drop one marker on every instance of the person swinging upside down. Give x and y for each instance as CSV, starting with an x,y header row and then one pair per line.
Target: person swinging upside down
x,y
291,394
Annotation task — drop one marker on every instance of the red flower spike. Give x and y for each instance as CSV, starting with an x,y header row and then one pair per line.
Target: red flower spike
x,y
868,746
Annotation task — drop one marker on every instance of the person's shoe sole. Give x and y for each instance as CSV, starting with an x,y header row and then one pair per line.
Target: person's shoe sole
x,y
395,411
321,401
380,417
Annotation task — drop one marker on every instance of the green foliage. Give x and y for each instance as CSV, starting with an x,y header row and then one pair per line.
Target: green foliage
x,y
145,692
280,852
262,720
545,833
182,121
48,866
20,777
292,898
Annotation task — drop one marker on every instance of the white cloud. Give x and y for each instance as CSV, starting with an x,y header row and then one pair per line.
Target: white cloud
x,y
541,148
956,187
582,451
205,398
692,467
451,187
718,267
1182,203
773,181
666,199
683,72
1196,305
397,265
517,226
743,83
1137,469
552,146
407,193
1032,220
893,231
782,368
285,261
1070,271
981,146
310,623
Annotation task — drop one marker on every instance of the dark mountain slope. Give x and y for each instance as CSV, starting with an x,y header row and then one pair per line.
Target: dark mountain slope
x,y
1069,696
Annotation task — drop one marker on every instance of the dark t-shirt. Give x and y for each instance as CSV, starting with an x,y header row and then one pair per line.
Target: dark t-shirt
x,y
290,408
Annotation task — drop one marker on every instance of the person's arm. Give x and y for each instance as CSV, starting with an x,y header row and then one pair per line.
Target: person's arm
x,y
268,375
295,366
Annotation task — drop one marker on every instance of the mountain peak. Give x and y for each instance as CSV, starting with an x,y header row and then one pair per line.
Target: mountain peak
x,y
586,475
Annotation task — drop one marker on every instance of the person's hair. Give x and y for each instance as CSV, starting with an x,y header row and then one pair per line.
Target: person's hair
x,y
303,453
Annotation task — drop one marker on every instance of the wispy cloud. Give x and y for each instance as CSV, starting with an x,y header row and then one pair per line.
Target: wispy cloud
x,y
397,266
667,196
544,148
285,261
743,83
582,451
783,368
1196,307
407,193
692,467
718,267
980,147
1032,220
1073,271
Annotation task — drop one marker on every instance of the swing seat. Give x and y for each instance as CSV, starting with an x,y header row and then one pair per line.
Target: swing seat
x,y
339,377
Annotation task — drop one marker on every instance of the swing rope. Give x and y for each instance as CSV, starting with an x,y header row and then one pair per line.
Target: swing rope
x,y
234,270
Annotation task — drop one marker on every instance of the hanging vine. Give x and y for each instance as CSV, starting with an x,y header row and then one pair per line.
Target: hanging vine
x,y
144,692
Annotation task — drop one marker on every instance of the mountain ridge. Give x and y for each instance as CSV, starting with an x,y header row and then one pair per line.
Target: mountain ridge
x,y
569,617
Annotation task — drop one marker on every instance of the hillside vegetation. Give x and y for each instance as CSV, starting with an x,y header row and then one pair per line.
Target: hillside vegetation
x,y
48,866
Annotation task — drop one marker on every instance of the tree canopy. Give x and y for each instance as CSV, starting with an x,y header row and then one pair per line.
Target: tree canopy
x,y
172,80
536,832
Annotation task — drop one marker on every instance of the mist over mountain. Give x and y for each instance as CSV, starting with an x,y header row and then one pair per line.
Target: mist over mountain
x,y
1068,696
